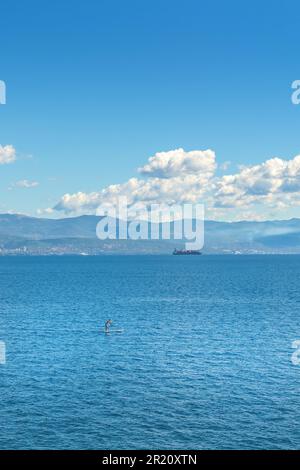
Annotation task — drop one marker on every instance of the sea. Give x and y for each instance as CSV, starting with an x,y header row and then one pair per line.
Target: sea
x,y
204,361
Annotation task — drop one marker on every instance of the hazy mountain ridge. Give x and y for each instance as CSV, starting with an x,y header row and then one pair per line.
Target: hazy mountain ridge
x,y
21,234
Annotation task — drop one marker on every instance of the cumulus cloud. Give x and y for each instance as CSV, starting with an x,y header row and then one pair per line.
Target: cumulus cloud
x,y
143,192
173,177
178,162
178,176
259,183
7,154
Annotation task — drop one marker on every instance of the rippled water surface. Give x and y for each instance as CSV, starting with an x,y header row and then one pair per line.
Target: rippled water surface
x,y
204,361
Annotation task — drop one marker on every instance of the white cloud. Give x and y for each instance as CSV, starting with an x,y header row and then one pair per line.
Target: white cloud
x,y
183,177
144,192
7,154
47,211
178,176
259,183
177,162
26,184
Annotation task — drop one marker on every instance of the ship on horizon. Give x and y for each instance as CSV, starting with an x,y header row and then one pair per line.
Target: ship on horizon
x,y
187,252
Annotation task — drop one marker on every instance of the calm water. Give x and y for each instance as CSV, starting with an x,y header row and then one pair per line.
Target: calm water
x,y
204,361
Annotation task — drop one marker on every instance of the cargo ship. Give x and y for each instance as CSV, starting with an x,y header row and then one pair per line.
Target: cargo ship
x,y
186,252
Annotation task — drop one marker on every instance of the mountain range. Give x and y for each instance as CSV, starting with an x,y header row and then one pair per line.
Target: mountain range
x,y
23,235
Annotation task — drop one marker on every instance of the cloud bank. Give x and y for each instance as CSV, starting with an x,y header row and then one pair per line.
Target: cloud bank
x,y
178,176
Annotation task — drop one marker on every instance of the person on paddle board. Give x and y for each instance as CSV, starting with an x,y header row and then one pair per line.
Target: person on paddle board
x,y
107,325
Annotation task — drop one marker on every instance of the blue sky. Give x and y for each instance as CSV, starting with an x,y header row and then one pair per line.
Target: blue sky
x,y
95,88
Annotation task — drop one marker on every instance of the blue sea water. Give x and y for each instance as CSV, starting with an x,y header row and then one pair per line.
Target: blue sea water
x,y
204,361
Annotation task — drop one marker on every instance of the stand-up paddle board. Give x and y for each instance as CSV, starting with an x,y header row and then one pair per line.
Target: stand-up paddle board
x,y
111,331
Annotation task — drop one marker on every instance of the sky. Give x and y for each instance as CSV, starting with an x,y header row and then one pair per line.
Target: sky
x,y
203,89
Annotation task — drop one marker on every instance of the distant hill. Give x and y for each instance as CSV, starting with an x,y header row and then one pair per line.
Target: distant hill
x,y
20,234
37,229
